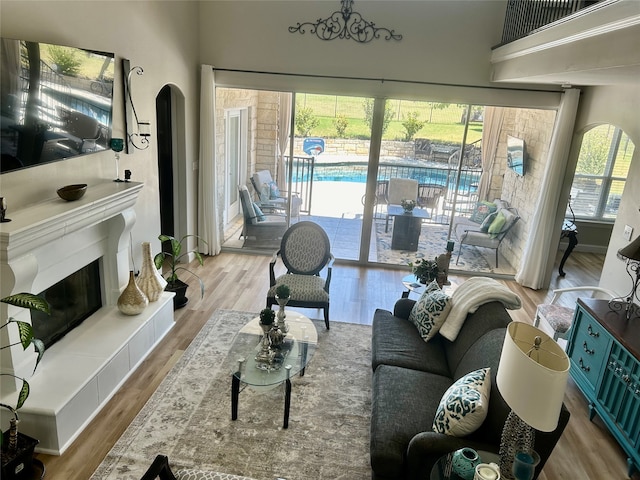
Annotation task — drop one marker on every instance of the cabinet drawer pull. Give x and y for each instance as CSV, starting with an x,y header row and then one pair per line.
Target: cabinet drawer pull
x,y
626,378
584,367
592,333
586,349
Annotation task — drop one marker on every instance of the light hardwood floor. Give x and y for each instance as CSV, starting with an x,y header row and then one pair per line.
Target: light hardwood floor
x,y
239,282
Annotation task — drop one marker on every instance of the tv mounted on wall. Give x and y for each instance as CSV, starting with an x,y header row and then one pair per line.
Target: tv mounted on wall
x,y
56,102
516,154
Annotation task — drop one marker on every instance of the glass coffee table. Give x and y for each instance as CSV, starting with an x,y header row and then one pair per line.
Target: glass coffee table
x,y
297,349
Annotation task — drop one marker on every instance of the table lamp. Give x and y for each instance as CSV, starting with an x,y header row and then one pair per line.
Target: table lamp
x,y
632,254
532,377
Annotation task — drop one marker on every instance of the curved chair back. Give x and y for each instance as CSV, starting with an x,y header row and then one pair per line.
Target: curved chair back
x,y
305,248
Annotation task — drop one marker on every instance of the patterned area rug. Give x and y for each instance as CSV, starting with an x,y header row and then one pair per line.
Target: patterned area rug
x,y
189,417
433,242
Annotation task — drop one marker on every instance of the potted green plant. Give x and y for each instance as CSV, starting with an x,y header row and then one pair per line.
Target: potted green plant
x,y
425,270
283,291
267,316
17,448
174,257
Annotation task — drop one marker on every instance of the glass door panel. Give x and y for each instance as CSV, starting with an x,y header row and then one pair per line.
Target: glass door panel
x,y
329,166
421,161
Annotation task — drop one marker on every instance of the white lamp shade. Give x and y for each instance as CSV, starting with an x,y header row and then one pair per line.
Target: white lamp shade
x,y
533,381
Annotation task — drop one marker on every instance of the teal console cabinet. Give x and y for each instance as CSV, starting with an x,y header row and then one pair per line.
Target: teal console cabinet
x,y
604,348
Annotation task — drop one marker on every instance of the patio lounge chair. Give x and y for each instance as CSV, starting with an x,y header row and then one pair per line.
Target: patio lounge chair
x,y
429,196
259,229
488,234
271,198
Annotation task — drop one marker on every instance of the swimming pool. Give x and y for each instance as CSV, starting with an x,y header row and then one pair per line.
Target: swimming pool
x,y
357,172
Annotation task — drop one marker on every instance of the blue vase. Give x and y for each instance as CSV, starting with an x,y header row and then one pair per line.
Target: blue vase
x,y
464,461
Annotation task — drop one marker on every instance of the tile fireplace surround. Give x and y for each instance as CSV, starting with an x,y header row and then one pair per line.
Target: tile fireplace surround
x,y
43,244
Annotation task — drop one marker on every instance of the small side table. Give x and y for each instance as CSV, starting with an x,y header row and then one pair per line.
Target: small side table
x,y
406,227
442,469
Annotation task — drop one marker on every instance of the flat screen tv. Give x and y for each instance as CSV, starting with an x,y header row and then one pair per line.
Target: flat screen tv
x,y
56,102
516,154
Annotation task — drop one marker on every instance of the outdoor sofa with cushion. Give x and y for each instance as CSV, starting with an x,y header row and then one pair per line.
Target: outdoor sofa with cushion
x,y
410,378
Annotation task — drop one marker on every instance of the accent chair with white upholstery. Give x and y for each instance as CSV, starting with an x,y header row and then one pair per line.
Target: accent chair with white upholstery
x,y
560,318
305,251
400,189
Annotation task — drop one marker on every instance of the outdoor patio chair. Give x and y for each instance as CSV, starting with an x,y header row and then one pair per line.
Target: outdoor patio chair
x,y
382,188
271,198
258,228
488,234
305,251
429,196
560,318
400,189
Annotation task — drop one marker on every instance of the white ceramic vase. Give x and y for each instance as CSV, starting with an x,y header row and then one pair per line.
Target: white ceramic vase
x,y
150,280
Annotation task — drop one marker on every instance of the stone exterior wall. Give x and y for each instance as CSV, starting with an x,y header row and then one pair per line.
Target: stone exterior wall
x,y
356,147
535,127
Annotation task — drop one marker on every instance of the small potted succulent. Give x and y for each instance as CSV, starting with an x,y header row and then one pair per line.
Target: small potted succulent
x,y
408,205
425,270
283,291
264,358
267,316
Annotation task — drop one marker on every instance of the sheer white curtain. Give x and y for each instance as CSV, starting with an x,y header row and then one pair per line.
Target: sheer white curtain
x,y
208,224
491,128
537,250
284,130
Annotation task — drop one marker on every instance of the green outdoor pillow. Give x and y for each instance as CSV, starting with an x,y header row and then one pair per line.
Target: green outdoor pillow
x,y
482,210
488,221
496,226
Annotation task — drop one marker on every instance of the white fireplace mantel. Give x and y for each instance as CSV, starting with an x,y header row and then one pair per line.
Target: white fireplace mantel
x,y
43,244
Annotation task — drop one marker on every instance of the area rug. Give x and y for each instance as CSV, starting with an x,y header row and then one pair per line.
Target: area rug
x,y
432,242
188,418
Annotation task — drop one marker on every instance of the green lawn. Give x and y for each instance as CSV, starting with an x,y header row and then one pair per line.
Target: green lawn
x,y
442,121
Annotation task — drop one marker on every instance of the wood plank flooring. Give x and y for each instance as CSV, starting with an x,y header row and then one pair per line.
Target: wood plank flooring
x,y
587,451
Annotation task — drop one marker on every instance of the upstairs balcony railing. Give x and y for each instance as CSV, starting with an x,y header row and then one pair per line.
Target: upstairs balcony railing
x,y
524,17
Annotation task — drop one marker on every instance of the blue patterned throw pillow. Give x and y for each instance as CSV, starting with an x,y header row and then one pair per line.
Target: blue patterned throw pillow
x,y
430,311
463,406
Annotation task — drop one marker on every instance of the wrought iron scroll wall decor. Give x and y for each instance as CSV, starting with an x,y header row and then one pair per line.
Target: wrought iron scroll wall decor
x,y
139,138
346,24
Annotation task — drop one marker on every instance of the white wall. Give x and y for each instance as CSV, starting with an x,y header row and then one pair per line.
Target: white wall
x,y
158,36
444,42
617,105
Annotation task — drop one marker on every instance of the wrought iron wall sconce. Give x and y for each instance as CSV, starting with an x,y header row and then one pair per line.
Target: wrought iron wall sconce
x,y
345,24
138,138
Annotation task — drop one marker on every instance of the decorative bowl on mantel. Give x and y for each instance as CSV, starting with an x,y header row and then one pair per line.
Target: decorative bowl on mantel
x,y
72,192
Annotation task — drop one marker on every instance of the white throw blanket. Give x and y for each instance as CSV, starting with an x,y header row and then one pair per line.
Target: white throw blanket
x,y
469,296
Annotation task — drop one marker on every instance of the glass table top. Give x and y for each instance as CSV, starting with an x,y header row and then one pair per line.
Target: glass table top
x,y
298,348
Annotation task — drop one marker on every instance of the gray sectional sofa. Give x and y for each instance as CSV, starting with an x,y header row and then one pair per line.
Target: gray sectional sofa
x,y
409,379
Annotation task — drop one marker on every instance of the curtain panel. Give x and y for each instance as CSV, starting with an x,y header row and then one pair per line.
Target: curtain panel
x,y
208,218
538,249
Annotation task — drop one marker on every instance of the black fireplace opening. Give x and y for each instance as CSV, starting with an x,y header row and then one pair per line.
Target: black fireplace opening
x,y
72,300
